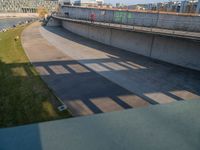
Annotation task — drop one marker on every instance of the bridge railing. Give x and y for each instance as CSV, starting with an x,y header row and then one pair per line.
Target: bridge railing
x,y
132,24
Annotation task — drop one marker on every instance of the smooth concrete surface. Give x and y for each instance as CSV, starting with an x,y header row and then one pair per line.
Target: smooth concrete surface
x,y
177,51
173,126
134,42
54,22
90,77
134,28
173,21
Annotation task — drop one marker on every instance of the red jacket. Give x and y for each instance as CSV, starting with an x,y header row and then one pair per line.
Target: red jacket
x,y
93,16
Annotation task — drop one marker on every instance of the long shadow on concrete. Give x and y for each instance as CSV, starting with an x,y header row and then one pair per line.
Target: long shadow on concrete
x,y
87,92
84,88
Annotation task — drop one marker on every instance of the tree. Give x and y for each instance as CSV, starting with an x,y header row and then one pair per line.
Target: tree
x,y
42,11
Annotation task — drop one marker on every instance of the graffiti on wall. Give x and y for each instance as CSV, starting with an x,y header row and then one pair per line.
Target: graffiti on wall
x,y
122,16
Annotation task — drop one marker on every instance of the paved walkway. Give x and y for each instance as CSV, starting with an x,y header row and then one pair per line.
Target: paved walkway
x,y
90,77
173,126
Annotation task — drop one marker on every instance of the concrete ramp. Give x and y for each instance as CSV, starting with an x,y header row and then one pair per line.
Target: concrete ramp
x,y
90,77
175,50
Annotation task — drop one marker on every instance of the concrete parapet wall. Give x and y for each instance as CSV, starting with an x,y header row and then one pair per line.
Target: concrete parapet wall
x,y
134,42
54,22
147,19
177,51
178,22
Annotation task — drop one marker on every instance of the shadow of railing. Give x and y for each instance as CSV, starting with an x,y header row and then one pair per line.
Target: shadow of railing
x,y
108,77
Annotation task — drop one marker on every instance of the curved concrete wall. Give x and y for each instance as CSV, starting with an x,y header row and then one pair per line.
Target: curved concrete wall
x,y
150,19
54,22
178,51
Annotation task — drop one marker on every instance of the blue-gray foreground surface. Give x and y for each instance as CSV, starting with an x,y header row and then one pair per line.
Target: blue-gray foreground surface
x,y
162,127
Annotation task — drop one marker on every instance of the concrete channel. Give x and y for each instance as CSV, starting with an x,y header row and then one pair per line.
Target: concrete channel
x,y
91,77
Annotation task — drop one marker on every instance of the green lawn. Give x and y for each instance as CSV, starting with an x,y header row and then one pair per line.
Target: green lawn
x,y
24,98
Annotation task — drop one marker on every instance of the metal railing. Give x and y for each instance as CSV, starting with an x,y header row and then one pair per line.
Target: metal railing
x,y
132,24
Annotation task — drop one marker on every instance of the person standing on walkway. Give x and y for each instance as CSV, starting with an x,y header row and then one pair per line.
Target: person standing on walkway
x,y
92,17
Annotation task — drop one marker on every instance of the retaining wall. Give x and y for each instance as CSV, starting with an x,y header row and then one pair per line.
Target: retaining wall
x,y
177,51
52,22
147,19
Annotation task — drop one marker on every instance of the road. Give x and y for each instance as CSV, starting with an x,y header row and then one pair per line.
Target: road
x,y
91,78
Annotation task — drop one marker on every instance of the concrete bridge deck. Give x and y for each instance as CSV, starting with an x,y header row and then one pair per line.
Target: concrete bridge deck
x,y
90,77
162,127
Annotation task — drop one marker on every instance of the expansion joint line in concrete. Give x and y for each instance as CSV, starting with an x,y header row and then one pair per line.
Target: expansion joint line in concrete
x,y
110,39
152,43
88,31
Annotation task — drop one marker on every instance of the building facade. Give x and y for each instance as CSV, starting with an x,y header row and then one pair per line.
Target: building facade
x,y
186,6
89,2
198,7
64,2
26,6
190,6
